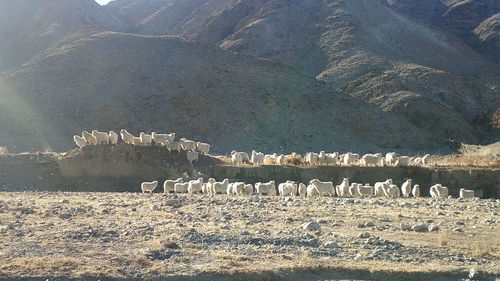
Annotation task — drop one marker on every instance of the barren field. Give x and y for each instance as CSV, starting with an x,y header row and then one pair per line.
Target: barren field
x,y
195,237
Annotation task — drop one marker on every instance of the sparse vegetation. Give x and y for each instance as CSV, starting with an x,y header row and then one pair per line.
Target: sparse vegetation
x,y
117,234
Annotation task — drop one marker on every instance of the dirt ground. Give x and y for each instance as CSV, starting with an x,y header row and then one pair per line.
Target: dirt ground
x,y
132,235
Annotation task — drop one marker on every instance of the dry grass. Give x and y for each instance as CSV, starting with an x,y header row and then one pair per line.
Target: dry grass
x,y
47,238
466,161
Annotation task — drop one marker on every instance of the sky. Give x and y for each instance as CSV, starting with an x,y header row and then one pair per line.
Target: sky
x,y
103,2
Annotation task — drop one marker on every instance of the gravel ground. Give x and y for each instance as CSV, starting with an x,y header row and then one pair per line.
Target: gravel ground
x,y
137,235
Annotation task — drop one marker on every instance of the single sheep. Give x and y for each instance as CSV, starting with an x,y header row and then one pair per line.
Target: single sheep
x,y
416,191
149,186
101,137
192,156
80,141
168,185
268,188
203,148
113,137
406,188
126,136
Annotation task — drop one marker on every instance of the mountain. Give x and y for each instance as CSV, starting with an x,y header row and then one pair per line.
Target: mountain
x,y
28,27
116,80
359,75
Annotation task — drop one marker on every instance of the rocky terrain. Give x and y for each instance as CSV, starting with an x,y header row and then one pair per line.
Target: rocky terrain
x,y
274,75
137,235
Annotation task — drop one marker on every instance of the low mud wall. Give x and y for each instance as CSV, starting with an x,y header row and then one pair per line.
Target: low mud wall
x,y
122,168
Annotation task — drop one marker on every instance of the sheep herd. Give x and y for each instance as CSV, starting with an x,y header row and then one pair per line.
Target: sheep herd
x,y
315,188
192,148
333,159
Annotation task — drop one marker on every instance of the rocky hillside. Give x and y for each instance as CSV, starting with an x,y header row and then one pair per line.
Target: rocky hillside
x,y
273,75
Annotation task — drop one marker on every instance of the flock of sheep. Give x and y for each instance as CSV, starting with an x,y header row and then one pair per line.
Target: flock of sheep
x,y
192,148
323,158
316,188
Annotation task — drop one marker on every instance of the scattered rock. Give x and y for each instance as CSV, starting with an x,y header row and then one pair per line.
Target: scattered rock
x,y
153,207
288,199
64,201
364,235
419,228
405,226
331,245
311,226
357,257
65,216
171,202
458,230
369,224
432,227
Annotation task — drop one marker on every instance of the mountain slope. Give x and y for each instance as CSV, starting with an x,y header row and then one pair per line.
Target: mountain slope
x,y
394,52
114,80
28,27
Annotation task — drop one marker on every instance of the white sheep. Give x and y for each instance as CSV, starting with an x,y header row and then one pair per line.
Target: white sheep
x,y
160,139
322,158
173,145
188,145
270,159
89,138
323,188
392,191
280,160
229,189
149,186
113,137
312,191
126,136
332,158
343,189
192,156
439,191
181,187
217,187
466,193
442,192
168,185
204,188
302,190
406,188
236,158
390,158
239,188
257,158
146,139
433,191
403,161
288,188
312,158
366,190
194,186
425,159
371,159
354,189
202,147
80,141
381,187
248,189
101,137
416,191
136,141
268,188
350,159
417,161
